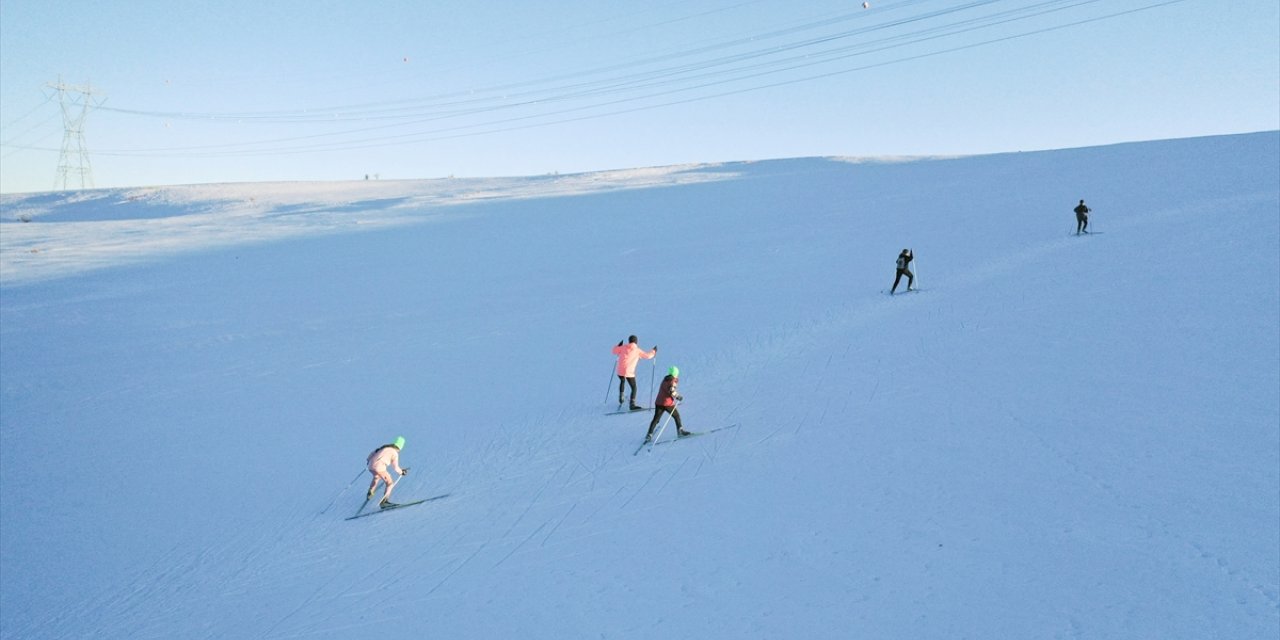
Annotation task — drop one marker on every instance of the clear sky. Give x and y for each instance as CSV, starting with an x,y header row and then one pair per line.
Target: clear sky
x,y
241,90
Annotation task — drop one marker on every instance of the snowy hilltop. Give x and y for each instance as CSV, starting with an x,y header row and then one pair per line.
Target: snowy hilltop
x,y
1057,436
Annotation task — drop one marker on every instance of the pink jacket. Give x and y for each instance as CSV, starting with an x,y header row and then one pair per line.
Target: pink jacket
x,y
388,455
628,355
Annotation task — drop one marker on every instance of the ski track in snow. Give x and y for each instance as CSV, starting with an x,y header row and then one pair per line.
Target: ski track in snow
x,y
496,538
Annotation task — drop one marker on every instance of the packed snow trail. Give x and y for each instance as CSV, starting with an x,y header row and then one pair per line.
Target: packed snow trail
x,y
1061,437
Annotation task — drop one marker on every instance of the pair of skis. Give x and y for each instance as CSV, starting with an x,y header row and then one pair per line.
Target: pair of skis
x,y
622,410
394,506
692,434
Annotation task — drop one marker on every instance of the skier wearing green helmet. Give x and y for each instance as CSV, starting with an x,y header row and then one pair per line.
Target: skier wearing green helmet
x,y
668,398
378,461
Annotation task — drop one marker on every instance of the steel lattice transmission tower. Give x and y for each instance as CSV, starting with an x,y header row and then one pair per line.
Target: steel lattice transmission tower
x,y
75,101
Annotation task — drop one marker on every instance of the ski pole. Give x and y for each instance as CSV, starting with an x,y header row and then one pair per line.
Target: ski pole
x,y
664,425
917,274
609,389
344,490
651,370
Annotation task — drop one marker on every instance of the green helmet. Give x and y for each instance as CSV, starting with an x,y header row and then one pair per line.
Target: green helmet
x,y
674,372
399,443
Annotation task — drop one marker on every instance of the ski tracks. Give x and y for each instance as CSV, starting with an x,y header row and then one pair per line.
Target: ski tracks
x,y
1147,521
565,492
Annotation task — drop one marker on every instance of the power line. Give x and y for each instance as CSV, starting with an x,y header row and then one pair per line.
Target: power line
x,y
427,136
13,139
667,76
503,91
693,75
20,118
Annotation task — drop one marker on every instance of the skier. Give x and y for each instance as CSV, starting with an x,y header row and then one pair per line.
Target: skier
x,y
1082,218
628,356
666,402
904,262
387,454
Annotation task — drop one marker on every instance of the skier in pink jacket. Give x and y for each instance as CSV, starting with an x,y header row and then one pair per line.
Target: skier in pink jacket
x,y
379,460
628,356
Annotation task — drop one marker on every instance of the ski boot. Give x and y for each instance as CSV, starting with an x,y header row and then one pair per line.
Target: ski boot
x,y
682,433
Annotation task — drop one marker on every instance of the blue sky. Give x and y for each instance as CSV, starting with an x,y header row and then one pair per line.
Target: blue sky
x,y
250,91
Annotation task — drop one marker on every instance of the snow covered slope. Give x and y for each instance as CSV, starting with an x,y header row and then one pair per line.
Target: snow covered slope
x,y
1060,436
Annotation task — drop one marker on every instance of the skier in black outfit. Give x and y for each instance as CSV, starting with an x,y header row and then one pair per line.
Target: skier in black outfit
x,y
1082,218
904,262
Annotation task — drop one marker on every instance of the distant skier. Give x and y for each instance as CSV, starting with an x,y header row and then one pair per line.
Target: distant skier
x,y
904,268
628,356
668,397
1082,218
379,460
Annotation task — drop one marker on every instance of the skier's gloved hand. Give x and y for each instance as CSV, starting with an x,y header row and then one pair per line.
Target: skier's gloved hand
x,y
619,343
404,471
655,347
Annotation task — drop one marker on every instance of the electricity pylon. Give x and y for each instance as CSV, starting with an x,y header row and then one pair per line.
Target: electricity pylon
x,y
75,101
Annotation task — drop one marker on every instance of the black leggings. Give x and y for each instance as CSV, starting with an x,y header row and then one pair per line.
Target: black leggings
x,y
622,381
657,415
911,278
1082,223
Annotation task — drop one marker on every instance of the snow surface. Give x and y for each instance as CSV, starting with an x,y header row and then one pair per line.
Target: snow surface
x,y
1060,437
